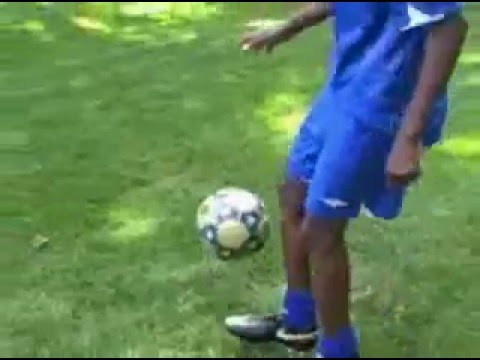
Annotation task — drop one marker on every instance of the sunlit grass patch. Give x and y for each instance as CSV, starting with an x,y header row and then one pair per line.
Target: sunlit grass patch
x,y
462,146
283,112
171,12
470,58
91,24
128,227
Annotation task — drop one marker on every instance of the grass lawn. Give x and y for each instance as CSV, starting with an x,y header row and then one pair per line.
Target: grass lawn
x,y
115,127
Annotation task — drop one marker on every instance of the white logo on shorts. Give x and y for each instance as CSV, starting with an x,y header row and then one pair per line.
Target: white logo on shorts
x,y
335,203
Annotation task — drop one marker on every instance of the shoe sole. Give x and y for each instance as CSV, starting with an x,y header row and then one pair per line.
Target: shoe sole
x,y
296,342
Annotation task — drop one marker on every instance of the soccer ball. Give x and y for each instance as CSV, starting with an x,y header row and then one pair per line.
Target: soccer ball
x,y
232,222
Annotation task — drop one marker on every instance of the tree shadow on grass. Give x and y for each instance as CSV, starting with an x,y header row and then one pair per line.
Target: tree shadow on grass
x,y
132,127
132,124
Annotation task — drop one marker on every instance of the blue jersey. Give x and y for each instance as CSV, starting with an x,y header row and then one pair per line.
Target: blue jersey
x,y
378,52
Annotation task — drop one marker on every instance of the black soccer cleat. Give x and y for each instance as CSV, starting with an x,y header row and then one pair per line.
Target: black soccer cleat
x,y
269,328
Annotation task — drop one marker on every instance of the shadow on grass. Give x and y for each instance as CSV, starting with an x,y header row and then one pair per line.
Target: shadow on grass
x,y
133,123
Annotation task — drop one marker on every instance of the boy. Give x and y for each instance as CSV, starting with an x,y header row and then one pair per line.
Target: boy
x,y
360,145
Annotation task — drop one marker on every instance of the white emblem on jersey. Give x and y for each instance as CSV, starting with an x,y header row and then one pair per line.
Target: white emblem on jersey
x,y
417,18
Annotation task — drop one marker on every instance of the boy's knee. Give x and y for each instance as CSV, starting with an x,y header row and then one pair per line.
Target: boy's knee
x,y
323,235
292,195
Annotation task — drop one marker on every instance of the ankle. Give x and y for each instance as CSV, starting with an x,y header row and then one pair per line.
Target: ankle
x,y
299,310
342,344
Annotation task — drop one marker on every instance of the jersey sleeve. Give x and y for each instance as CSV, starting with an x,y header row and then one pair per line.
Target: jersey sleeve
x,y
411,15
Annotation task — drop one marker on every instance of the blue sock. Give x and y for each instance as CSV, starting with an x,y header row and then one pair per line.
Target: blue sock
x,y
299,308
344,344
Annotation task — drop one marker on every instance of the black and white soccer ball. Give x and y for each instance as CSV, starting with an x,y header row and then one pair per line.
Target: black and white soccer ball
x,y
233,222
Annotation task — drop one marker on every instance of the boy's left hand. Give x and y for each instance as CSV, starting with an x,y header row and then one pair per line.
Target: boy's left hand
x,y
403,164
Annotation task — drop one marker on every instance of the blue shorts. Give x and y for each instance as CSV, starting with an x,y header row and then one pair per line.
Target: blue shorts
x,y
344,164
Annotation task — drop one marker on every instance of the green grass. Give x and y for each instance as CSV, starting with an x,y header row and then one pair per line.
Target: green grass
x,y
112,135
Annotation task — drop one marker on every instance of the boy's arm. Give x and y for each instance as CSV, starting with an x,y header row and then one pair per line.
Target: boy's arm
x,y
447,31
310,15
442,50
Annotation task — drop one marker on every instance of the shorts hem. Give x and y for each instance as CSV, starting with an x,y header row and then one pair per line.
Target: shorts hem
x,y
318,210
294,172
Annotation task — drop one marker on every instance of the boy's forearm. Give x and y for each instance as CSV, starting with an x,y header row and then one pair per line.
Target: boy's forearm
x,y
312,14
442,50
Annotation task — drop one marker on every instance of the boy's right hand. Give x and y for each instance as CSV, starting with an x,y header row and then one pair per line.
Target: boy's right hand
x,y
268,39
263,40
